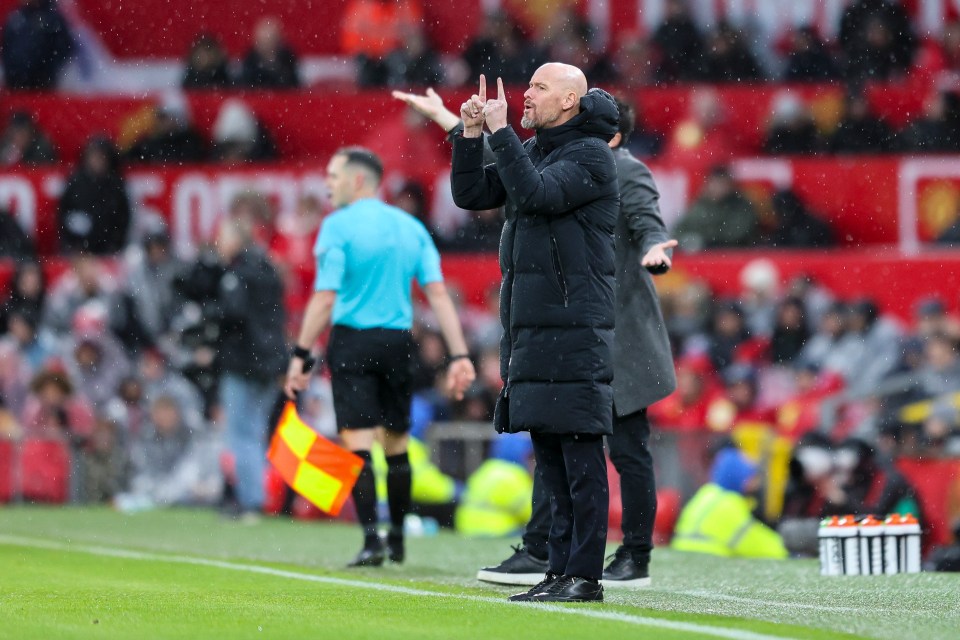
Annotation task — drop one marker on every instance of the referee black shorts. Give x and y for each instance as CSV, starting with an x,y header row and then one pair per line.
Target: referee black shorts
x,y
371,377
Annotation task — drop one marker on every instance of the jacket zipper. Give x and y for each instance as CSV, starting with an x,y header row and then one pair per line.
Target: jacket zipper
x,y
558,268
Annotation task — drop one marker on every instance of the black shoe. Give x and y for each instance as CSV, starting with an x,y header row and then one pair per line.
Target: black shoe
x,y
368,557
570,589
395,549
521,569
624,571
540,587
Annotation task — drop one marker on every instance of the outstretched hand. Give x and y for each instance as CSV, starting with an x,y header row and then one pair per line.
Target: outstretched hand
x,y
495,111
429,106
657,258
471,111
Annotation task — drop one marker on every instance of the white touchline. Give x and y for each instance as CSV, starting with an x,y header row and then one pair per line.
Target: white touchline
x,y
689,627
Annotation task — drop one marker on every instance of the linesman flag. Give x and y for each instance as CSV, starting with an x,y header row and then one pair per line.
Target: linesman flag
x,y
314,467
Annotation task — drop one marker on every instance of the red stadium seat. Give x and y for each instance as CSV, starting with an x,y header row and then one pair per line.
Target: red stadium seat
x,y
45,471
7,453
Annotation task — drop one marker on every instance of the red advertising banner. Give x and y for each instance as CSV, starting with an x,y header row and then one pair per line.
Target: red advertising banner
x,y
900,202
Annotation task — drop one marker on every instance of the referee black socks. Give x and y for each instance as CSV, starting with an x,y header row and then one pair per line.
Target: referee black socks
x,y
365,500
399,481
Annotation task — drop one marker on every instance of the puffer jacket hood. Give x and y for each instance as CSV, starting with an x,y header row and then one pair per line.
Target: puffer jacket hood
x,y
598,118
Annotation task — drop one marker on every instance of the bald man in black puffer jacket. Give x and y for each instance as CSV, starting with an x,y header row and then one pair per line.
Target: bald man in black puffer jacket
x,y
561,198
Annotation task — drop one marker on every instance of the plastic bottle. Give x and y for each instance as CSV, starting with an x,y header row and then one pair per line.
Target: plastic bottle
x,y
912,528
872,533
831,551
848,532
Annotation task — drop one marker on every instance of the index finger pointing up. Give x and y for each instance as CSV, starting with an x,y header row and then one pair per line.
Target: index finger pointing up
x,y
483,88
500,94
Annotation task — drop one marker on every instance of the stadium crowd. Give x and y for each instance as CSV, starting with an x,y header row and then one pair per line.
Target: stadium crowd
x,y
116,362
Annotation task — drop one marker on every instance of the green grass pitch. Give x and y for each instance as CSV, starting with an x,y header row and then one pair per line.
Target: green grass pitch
x,y
94,573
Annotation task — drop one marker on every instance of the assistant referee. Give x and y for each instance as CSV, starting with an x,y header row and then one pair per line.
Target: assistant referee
x,y
368,254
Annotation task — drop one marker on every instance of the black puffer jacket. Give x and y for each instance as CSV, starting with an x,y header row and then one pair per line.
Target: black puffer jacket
x,y
557,263
250,298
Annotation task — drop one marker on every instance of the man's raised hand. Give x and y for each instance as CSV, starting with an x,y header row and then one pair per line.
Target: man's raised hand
x,y
471,111
495,111
429,106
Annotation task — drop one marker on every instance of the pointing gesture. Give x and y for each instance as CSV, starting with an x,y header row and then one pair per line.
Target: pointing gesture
x,y
495,111
471,111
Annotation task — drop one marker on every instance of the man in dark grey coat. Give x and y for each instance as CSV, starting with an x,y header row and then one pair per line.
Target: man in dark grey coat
x,y
561,202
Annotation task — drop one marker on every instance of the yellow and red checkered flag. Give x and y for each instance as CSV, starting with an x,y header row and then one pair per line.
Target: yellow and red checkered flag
x,y
314,467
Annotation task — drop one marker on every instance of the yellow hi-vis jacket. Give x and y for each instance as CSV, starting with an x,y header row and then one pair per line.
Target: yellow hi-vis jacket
x,y
429,485
719,522
496,501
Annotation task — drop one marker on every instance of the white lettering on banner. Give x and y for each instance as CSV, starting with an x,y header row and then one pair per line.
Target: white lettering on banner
x,y
17,196
143,189
192,212
779,173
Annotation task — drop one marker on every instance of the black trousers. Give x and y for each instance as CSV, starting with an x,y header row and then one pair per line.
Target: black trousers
x,y
630,454
573,472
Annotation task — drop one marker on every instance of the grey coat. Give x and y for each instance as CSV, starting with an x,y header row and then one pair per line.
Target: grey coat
x,y
642,362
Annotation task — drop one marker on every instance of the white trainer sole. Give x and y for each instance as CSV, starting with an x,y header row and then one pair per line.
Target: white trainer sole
x,y
516,579
639,583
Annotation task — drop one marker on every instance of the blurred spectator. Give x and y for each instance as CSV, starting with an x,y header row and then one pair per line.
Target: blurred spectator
x,y
720,217
727,58
877,38
291,250
414,63
170,139
874,343
686,408
53,410
800,414
88,282
94,359
206,66
790,332
35,46
269,63
105,464
174,461
500,50
686,312
759,292
864,483
738,406
14,241
940,372
808,59
678,44
931,318
372,29
151,269
568,38
94,211
794,226
825,349
718,519
705,136
238,136
728,330
253,354
22,142
412,198
632,62
28,291
791,130
811,466
859,131
938,130
158,378
25,349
